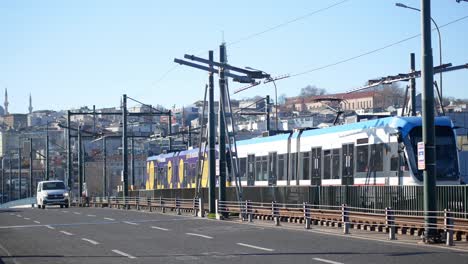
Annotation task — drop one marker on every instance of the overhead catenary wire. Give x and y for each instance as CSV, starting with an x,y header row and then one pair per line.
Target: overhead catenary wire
x,y
371,51
269,29
286,23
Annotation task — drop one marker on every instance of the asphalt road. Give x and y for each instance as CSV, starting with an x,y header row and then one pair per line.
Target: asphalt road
x,y
95,235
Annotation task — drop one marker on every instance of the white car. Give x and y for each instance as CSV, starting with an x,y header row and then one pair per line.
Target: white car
x,y
52,193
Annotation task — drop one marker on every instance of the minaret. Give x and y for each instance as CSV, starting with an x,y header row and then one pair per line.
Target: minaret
x,y
6,102
30,104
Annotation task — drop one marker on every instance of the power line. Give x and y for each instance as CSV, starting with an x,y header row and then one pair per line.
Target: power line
x,y
286,23
165,74
371,51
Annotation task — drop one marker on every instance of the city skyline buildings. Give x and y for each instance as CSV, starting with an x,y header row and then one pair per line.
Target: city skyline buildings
x,y
90,53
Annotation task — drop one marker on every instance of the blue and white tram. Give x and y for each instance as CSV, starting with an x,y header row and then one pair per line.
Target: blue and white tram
x,y
375,152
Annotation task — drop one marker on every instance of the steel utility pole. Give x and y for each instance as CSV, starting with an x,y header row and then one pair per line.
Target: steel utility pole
x,y
31,158
124,147
428,128
132,162
222,124
3,180
211,139
169,128
104,167
413,85
47,153
10,189
19,170
267,110
69,153
80,167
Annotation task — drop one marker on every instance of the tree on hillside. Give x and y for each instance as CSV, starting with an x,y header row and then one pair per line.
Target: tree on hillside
x,y
391,94
311,90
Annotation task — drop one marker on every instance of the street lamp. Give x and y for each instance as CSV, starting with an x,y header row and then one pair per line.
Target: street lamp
x,y
276,93
440,43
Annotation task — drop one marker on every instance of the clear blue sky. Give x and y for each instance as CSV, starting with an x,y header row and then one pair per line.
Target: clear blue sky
x,y
74,53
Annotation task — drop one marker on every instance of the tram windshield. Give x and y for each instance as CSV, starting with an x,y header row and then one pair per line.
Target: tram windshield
x,y
446,152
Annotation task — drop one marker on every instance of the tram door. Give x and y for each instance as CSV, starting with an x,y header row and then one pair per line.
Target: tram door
x,y
250,170
316,178
347,162
272,177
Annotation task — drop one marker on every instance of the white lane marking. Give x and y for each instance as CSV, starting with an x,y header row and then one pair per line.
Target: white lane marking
x,y
37,222
130,223
160,228
91,215
76,213
123,254
50,227
66,233
26,218
327,261
19,215
90,241
252,246
199,235
64,211
12,214
110,219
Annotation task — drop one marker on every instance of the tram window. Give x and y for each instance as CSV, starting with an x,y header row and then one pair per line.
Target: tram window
x,y
243,168
377,157
326,164
261,165
394,163
293,166
305,165
336,163
281,167
362,154
194,173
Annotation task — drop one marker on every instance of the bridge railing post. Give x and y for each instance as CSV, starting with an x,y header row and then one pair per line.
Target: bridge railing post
x,y
307,216
177,205
249,211
448,223
148,202
137,199
201,209
275,212
217,211
345,218
161,204
390,222
194,206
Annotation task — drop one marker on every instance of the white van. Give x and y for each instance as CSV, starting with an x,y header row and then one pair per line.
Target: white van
x,y
52,193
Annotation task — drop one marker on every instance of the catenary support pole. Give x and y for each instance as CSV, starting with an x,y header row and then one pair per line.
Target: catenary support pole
x,y
169,128
124,147
427,75
69,153
104,167
222,125
3,180
267,110
31,160
413,86
211,140
80,167
10,176
47,172
132,162
19,171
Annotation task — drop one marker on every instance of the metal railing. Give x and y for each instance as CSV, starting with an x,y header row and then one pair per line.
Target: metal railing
x,y
383,220
450,225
